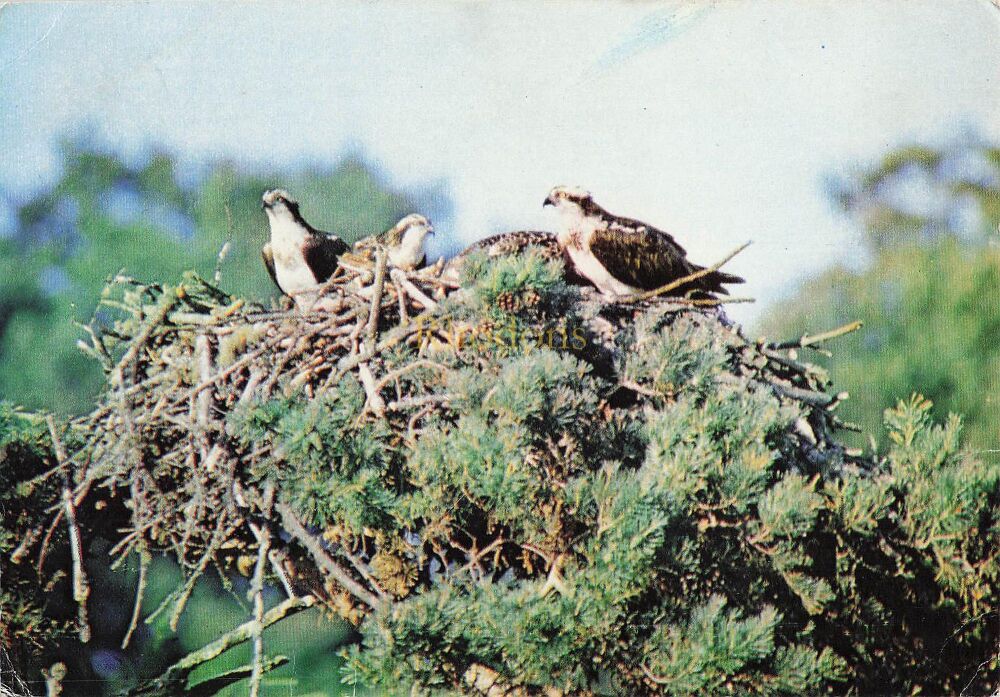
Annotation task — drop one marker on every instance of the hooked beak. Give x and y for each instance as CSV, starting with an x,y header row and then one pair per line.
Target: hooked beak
x,y
548,202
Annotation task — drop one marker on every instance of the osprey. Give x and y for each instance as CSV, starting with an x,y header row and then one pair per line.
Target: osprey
x,y
403,242
514,243
622,256
299,257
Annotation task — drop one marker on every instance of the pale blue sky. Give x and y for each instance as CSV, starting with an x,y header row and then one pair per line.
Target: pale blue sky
x,y
716,121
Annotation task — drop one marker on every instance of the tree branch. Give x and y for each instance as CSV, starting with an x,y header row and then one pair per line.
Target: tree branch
x,y
806,340
325,561
178,672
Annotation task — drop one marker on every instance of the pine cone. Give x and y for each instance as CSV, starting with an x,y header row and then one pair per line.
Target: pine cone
x,y
531,298
508,302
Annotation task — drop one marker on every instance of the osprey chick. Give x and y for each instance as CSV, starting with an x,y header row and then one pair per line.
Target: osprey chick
x,y
299,257
403,242
622,256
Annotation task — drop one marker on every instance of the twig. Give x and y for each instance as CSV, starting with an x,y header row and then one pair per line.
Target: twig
x,y
98,348
27,542
216,684
298,347
816,399
277,559
798,367
130,391
547,556
257,593
381,261
312,545
203,402
180,670
476,555
411,424
229,370
363,569
686,279
554,581
224,252
188,588
417,364
656,679
375,401
139,342
708,302
399,276
392,338
140,591
639,389
806,340
219,295
419,401
81,586
400,298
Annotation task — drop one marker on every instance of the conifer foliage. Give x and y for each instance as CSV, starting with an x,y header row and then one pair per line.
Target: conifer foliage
x,y
514,488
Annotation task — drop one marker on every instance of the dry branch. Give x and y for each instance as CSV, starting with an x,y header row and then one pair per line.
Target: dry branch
x,y
257,594
807,340
178,672
325,561
81,586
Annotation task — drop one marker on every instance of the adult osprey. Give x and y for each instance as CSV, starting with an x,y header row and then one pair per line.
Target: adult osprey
x,y
403,242
622,256
299,257
514,243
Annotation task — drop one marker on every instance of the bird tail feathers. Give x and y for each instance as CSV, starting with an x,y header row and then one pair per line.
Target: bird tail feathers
x,y
723,277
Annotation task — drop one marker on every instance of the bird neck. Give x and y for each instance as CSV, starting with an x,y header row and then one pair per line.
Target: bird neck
x,y
577,226
287,231
409,252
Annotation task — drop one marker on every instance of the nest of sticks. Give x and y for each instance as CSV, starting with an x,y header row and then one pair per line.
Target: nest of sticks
x,y
158,456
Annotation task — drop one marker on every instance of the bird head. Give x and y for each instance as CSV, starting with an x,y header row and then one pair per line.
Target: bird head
x,y
413,229
405,241
567,197
278,202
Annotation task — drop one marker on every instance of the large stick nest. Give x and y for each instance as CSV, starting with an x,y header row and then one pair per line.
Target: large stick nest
x,y
183,360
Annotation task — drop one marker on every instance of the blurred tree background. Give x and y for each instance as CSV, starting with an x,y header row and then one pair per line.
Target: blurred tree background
x,y
153,218
150,220
929,293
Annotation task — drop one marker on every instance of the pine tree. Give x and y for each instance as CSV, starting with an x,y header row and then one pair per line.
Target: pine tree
x,y
514,488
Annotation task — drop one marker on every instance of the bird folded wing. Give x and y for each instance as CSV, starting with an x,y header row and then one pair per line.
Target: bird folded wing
x,y
639,256
321,253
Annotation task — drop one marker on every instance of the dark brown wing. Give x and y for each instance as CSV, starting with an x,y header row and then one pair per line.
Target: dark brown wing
x,y
628,225
268,258
321,251
644,257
